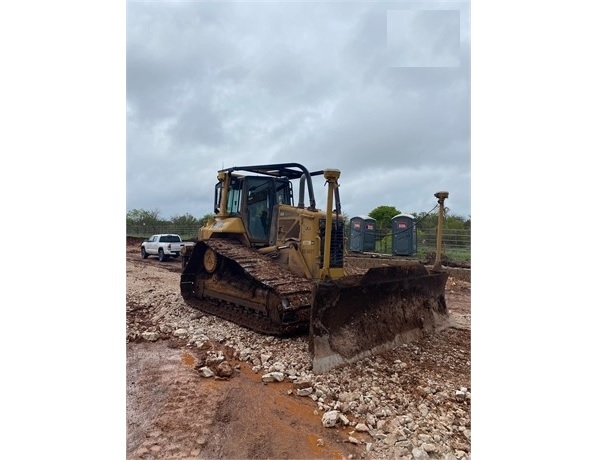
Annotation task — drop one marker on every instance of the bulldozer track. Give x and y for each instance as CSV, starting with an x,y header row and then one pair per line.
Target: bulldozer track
x,y
266,274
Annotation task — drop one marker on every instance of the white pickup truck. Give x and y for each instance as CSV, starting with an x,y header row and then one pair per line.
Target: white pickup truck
x,y
164,246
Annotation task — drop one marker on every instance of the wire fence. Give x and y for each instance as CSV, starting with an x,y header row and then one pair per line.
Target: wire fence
x,y
187,232
456,244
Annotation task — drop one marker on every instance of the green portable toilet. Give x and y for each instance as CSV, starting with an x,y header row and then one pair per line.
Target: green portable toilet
x,y
362,234
404,235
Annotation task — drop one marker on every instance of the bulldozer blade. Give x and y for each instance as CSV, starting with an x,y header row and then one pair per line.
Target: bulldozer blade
x,y
359,316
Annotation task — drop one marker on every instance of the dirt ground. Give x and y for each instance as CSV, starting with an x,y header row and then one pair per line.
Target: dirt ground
x,y
174,412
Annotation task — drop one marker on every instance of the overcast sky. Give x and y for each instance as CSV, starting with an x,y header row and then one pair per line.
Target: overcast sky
x,y
380,91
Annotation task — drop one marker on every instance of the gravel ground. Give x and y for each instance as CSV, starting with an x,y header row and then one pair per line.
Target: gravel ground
x,y
201,387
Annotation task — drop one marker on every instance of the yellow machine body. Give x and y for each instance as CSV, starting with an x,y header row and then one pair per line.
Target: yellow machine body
x,y
278,268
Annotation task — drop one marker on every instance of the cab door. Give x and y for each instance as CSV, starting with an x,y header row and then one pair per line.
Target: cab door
x,y
259,199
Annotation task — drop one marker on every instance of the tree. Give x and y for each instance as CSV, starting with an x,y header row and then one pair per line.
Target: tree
x,y
185,220
383,215
426,220
429,220
143,217
457,222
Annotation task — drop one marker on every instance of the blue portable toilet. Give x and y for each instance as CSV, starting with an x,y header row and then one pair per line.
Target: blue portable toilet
x,y
404,235
362,234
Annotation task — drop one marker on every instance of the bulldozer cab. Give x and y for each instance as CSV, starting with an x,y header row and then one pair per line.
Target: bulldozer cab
x,y
253,199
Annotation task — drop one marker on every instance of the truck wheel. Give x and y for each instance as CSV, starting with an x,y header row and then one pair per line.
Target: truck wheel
x,y
144,253
161,255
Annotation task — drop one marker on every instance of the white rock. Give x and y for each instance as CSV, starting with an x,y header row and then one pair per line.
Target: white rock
x,y
245,354
304,391
361,427
279,376
180,332
330,418
277,367
428,447
419,454
214,358
273,376
206,372
150,336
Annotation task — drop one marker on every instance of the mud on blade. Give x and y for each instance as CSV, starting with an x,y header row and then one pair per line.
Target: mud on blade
x,y
358,316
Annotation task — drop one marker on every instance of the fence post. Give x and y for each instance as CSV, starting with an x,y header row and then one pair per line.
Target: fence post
x,y
441,196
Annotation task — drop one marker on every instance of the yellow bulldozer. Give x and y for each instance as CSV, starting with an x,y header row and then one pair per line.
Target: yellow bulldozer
x,y
277,267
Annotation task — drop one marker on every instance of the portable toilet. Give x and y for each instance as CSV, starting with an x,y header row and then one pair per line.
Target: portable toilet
x,y
362,234
404,235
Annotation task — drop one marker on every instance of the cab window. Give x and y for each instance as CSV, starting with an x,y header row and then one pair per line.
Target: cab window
x,y
234,197
259,206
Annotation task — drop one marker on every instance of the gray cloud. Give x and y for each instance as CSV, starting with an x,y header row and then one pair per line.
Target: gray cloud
x,y
423,38
213,85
